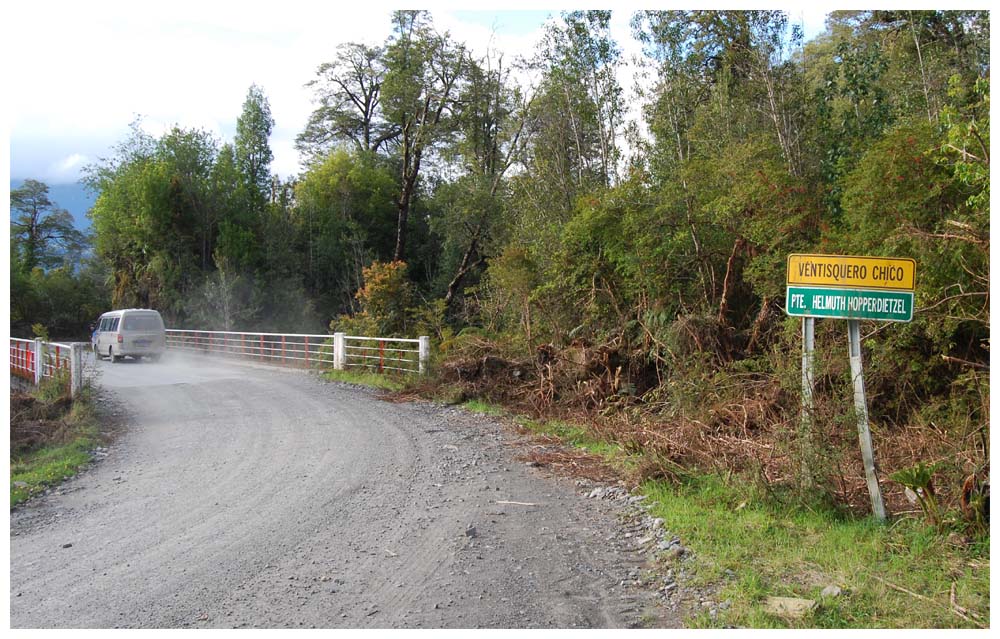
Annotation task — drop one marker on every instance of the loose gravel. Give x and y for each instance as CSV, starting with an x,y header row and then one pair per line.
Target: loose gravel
x,y
240,496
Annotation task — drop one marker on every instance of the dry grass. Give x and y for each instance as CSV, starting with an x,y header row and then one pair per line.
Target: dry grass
x,y
35,423
741,424
569,462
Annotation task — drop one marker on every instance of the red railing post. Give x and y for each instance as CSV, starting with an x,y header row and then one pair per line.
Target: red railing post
x,y
381,354
307,351
282,349
243,343
260,351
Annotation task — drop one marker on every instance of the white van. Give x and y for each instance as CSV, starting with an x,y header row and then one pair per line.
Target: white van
x,y
131,332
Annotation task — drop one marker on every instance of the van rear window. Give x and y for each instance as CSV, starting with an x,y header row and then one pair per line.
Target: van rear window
x,y
142,323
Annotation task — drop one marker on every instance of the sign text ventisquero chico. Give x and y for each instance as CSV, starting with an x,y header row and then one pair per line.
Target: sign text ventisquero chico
x,y
852,272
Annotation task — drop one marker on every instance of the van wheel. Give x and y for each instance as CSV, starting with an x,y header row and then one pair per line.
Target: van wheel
x,y
111,355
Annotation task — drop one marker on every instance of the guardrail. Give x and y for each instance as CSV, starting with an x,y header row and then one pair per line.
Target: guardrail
x,y
338,351
35,360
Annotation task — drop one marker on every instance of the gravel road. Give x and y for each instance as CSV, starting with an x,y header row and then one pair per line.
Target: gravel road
x,y
243,496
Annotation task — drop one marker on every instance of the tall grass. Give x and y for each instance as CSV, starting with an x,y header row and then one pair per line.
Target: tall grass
x,y
33,471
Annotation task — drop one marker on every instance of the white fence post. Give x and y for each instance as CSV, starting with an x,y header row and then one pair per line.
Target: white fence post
x,y
75,369
339,354
39,363
424,352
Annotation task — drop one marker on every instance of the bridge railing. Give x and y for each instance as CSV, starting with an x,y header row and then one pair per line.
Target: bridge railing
x,y
338,351
36,360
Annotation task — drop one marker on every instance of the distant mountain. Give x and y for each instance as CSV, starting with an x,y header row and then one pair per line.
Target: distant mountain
x,y
74,197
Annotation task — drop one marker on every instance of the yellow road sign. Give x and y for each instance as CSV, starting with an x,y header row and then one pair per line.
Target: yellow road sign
x,y
850,271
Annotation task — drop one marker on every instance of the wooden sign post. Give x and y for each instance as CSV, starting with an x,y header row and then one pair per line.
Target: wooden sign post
x,y
851,288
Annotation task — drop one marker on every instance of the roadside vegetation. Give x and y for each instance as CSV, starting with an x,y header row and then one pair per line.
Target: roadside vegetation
x,y
363,378
906,574
51,438
749,543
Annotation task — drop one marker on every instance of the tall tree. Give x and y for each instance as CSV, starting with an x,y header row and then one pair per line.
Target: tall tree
x,y
489,122
349,93
346,218
191,156
43,234
253,151
236,241
152,220
580,99
423,70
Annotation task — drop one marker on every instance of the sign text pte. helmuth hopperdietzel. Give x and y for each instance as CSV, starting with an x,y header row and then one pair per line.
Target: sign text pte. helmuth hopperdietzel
x,y
850,287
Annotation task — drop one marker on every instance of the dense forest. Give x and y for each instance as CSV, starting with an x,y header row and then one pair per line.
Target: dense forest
x,y
569,260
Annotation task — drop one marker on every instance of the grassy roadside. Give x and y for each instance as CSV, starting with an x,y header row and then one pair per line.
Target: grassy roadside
x,y
750,547
374,380
899,575
34,470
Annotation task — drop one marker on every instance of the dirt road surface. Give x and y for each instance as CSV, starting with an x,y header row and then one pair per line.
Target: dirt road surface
x,y
242,496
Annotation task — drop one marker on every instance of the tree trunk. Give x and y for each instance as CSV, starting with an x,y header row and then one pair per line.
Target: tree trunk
x,y
466,266
403,207
727,282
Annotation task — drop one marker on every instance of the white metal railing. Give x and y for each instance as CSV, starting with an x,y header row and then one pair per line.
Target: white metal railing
x,y
337,351
384,354
35,360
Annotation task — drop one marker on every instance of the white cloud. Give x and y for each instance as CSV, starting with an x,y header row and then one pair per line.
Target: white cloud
x,y
70,165
84,71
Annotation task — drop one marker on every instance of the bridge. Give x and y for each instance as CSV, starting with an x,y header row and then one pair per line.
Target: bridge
x,y
35,360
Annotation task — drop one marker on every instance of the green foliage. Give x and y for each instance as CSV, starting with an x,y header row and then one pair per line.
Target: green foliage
x,y
39,331
32,471
42,234
51,284
253,152
385,299
754,548
374,380
919,480
151,221
348,91
345,218
430,319
62,300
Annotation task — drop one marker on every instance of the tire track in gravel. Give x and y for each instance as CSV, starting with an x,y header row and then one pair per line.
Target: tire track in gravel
x,y
241,496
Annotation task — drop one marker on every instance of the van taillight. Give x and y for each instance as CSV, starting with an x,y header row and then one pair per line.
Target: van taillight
x,y
120,339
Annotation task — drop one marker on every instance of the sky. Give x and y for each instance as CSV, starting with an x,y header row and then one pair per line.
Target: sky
x,y
79,73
